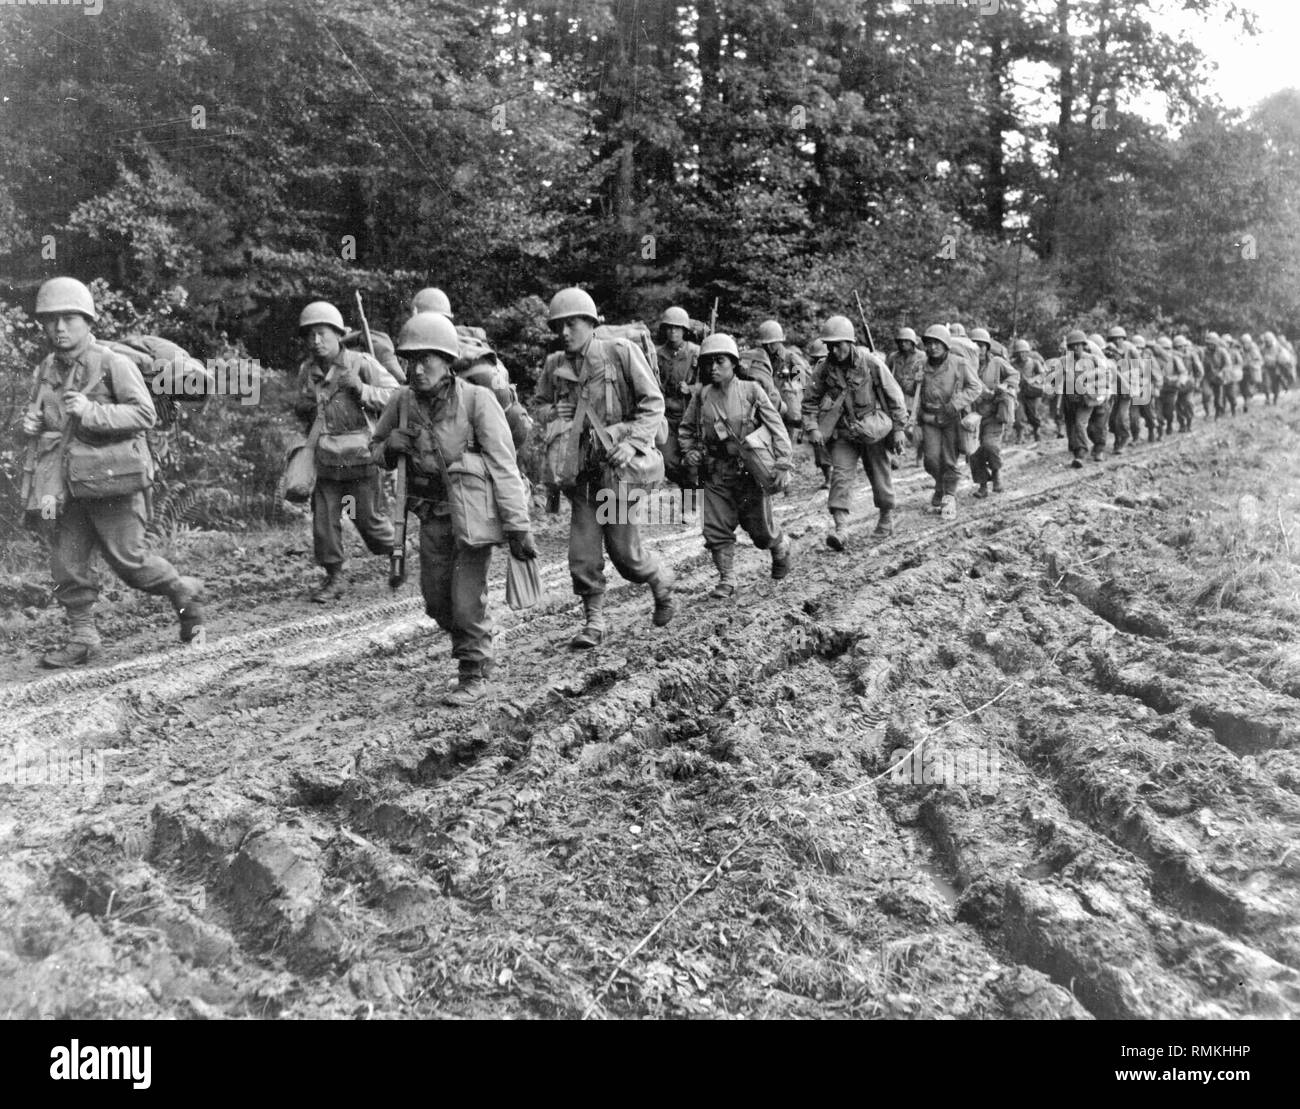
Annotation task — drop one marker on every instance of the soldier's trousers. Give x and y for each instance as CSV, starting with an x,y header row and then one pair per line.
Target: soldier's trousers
x,y
619,537
1231,394
987,459
1211,399
1184,409
1098,425
453,581
731,498
114,527
366,508
1078,419
1139,414
939,445
1273,383
844,458
1119,419
1168,410
1029,413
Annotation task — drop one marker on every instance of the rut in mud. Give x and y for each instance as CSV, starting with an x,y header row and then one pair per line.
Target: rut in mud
x,y
1097,676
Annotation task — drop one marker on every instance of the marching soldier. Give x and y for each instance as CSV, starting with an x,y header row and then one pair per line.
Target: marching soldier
x,y
1127,381
678,377
89,412
602,385
851,384
1213,384
1272,353
790,372
1000,383
1146,400
338,392
1253,371
1082,406
1184,408
718,418
1174,376
434,422
1233,375
1033,374
949,387
821,456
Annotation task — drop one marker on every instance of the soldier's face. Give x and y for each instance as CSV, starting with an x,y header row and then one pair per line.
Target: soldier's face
x,y
428,372
322,341
841,350
775,351
935,351
674,334
984,349
1077,348
575,331
905,347
67,331
722,369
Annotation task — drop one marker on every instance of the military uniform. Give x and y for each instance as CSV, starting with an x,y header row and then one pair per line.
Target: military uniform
x,y
1145,402
1084,406
1174,375
1184,408
731,495
121,412
1029,412
1000,383
613,379
456,418
1127,382
871,386
677,368
343,411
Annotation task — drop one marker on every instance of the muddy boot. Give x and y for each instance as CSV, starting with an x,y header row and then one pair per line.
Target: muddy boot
x,y
331,589
838,539
781,558
82,645
471,686
826,477
661,585
948,510
885,524
936,501
189,592
593,627
983,490
724,558
997,483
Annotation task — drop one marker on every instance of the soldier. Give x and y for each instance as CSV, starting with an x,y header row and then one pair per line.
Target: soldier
x,y
89,412
821,454
949,386
434,422
1273,356
755,366
1184,408
1213,383
431,300
338,391
1033,376
996,405
1127,381
1233,375
1145,400
1081,402
718,418
907,363
1253,365
852,383
605,384
790,371
1174,376
678,379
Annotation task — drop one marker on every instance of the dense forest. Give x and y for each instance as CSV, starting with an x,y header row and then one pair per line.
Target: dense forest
x,y
212,166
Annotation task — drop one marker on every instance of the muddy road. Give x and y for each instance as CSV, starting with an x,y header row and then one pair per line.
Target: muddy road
x,y
1094,678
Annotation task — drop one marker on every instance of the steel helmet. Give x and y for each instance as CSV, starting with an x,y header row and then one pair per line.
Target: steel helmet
x,y
1139,342
432,300
769,331
980,335
1245,337
907,335
817,349
672,317
1021,346
1165,343
1180,340
572,302
1075,336
321,311
719,343
65,294
1117,332
957,331
941,333
1213,337
838,329
429,331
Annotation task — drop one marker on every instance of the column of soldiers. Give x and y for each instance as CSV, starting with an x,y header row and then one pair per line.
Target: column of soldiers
x,y
948,393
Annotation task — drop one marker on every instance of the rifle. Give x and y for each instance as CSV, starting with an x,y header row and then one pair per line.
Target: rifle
x,y
365,327
397,559
33,444
713,317
871,346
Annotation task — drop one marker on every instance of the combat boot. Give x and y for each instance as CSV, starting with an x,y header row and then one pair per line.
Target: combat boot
x,y
885,524
781,558
936,501
948,510
471,685
593,628
838,539
82,645
331,589
826,477
724,558
661,585
186,598
983,490
997,483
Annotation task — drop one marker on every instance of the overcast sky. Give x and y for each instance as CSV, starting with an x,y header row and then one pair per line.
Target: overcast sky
x,y
1251,68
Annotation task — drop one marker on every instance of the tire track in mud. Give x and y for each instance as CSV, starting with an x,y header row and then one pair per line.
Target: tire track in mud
x,y
406,874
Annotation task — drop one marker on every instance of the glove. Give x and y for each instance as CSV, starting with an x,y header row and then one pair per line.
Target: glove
x,y
32,424
899,440
565,409
76,404
400,442
814,436
693,457
522,546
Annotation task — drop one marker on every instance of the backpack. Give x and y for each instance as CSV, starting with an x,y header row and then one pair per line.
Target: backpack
x,y
638,335
170,373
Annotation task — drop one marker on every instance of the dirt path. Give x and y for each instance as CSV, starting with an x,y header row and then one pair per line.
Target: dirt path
x,y
1103,664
